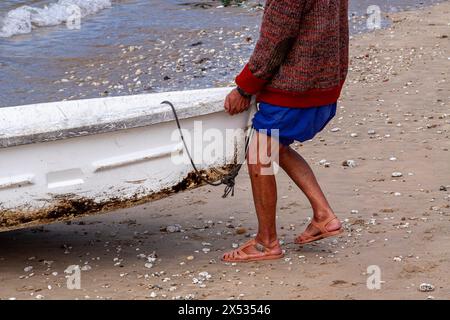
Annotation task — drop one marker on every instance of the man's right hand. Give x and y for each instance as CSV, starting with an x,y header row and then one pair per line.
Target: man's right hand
x,y
236,103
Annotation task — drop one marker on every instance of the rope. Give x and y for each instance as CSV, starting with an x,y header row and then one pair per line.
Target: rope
x,y
229,180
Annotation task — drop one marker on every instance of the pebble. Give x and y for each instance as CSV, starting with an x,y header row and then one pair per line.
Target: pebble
x,y
349,163
426,287
324,163
371,132
152,257
173,228
28,269
397,174
202,277
205,274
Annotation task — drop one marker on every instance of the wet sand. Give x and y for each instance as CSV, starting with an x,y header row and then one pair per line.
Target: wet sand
x,y
393,118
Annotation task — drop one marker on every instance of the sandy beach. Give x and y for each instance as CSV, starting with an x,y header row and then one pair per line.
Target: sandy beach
x,y
393,199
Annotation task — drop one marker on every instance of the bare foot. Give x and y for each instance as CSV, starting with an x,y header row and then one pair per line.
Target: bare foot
x,y
254,251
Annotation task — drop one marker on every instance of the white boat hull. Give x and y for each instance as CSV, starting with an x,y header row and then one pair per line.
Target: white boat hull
x,y
58,167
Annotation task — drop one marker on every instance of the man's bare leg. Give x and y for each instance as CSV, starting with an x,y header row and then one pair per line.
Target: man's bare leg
x,y
264,196
264,190
301,173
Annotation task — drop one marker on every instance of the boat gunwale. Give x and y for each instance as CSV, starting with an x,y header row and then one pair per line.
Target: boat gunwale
x,y
49,121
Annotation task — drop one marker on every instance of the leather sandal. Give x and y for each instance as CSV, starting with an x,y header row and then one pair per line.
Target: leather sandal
x,y
262,253
324,233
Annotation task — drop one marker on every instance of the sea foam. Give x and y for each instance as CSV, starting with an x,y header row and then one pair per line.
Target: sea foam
x,y
24,19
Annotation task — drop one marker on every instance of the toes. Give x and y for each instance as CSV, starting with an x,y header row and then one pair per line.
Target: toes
x,y
303,236
228,255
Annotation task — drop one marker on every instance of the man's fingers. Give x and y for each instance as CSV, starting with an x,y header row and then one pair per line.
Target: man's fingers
x,y
244,105
235,103
232,107
227,104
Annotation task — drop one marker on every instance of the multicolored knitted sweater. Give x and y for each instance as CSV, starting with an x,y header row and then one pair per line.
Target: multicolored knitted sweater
x,y
301,57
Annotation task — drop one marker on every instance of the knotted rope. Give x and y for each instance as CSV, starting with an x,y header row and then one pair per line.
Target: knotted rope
x,y
229,180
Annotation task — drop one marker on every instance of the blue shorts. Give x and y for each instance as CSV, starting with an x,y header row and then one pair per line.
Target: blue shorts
x,y
293,124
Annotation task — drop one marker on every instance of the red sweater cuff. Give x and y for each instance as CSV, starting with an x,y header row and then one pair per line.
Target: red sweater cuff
x,y
248,82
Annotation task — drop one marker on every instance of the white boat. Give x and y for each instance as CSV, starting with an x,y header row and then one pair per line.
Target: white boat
x,y
68,159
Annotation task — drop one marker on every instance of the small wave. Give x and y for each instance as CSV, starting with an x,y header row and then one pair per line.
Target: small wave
x,y
24,19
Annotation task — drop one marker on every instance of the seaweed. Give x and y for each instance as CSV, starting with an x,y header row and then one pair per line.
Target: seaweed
x,y
69,206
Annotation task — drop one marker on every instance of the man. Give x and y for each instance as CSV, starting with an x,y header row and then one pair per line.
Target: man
x,y
296,71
